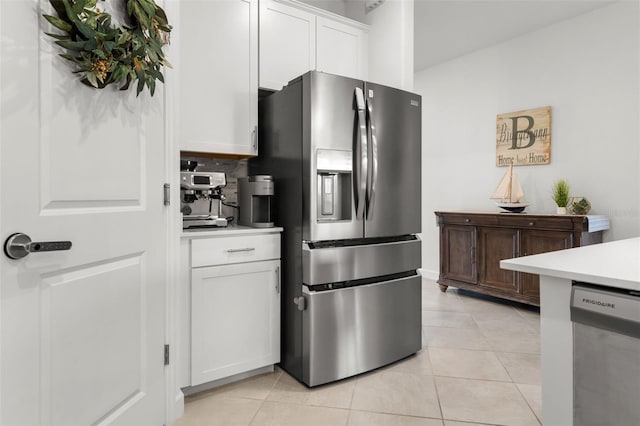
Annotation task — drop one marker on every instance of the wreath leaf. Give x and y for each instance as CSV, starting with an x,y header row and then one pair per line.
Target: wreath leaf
x,y
58,36
91,77
71,15
78,6
149,8
106,54
58,23
77,46
85,29
141,82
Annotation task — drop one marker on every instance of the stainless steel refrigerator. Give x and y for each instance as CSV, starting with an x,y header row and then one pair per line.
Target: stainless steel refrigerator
x,y
345,157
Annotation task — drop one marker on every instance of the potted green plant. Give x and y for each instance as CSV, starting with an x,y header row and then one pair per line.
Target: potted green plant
x,y
560,195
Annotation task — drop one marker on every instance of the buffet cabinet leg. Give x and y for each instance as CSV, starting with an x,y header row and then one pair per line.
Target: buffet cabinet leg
x,y
443,288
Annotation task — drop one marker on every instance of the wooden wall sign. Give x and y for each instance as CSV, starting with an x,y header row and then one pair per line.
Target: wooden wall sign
x,y
523,138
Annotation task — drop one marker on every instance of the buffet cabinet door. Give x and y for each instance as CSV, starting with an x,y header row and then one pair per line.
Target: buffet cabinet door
x,y
497,244
536,242
458,243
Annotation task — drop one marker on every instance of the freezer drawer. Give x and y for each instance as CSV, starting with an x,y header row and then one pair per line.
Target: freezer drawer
x,y
337,264
356,329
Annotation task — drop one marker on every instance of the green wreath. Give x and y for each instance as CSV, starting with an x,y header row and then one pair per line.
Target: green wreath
x,y
106,54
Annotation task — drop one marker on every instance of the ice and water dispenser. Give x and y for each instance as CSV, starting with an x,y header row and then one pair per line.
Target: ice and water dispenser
x,y
255,196
334,184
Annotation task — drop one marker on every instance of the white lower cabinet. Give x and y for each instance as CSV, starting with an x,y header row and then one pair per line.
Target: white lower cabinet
x,y
235,319
229,306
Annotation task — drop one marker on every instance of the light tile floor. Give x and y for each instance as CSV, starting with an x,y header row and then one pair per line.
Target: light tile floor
x,y
480,365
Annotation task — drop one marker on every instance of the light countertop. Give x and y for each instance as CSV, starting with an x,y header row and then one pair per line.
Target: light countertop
x,y
614,264
227,231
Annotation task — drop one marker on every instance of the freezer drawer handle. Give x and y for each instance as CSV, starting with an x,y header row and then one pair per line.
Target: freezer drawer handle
x,y
19,245
301,302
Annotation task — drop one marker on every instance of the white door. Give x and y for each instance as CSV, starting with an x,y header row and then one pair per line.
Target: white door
x,y
81,331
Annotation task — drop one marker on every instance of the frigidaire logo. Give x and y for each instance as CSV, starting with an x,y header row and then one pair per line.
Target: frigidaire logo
x,y
599,303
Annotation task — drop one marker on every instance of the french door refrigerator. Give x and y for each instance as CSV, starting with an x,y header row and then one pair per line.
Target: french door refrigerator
x,y
345,157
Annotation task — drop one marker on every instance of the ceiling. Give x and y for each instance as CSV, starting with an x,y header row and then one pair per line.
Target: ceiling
x,y
447,29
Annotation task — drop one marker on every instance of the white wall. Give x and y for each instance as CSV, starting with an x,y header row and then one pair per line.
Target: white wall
x,y
587,70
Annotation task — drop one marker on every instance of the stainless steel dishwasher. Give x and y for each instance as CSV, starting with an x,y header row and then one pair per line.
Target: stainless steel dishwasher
x,y
606,356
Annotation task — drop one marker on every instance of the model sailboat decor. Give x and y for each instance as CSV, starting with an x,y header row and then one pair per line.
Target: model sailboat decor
x,y
508,194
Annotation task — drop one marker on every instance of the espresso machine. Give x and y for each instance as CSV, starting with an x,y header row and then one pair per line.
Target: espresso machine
x,y
198,192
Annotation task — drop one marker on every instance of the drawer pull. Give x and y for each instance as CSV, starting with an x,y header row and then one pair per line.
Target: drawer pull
x,y
467,220
240,249
531,223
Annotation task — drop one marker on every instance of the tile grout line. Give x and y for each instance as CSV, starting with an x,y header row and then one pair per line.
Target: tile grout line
x,y
435,386
267,396
527,401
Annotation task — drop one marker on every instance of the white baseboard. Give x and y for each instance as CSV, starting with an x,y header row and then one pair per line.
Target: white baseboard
x,y
190,390
428,273
180,404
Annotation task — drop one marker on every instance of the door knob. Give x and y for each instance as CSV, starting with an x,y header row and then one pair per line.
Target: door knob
x,y
19,245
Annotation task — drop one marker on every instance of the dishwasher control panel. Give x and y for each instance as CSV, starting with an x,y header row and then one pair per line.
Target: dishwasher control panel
x,y
613,309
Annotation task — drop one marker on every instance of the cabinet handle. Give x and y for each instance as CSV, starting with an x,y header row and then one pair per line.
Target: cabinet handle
x,y
254,137
531,223
278,279
473,257
467,220
240,249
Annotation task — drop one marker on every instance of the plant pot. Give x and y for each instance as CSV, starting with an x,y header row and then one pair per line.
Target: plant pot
x,y
561,210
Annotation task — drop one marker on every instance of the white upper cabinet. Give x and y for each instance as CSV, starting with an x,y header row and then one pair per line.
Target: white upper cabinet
x,y
341,49
287,43
296,38
217,73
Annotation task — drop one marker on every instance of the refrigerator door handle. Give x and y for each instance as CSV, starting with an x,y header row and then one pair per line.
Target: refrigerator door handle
x,y
372,176
360,157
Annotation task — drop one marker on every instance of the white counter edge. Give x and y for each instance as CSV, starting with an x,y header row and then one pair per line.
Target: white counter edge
x,y
570,275
613,264
225,232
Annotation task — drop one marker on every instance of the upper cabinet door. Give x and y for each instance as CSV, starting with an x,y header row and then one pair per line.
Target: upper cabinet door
x,y
217,73
287,43
341,48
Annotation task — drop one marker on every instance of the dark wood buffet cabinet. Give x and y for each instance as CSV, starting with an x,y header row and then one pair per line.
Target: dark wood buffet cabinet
x,y
472,244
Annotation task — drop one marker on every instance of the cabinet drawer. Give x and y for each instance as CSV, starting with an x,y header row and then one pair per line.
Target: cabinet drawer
x,y
565,223
469,219
234,249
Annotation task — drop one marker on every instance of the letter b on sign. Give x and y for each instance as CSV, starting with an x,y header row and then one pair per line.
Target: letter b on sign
x,y
518,135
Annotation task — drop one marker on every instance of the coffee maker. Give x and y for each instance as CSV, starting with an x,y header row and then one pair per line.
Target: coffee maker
x,y
255,195
198,192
